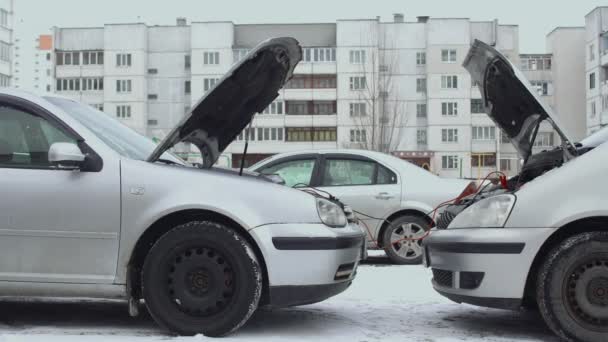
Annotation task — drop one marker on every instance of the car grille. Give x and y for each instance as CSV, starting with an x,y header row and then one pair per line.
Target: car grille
x,y
445,219
443,277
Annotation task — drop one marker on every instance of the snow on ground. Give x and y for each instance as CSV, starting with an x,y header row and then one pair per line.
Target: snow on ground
x,y
385,303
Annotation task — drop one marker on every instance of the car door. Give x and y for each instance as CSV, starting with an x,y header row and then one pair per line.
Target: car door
x,y
56,225
367,186
296,171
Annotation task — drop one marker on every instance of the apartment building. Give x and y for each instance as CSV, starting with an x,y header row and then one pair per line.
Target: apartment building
x,y
6,42
596,68
43,65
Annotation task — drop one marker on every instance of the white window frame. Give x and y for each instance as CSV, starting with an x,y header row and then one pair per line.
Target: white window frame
x,y
358,109
449,108
450,162
449,82
420,58
123,112
358,135
448,55
483,133
211,58
449,135
357,83
124,60
357,57
209,83
421,137
124,86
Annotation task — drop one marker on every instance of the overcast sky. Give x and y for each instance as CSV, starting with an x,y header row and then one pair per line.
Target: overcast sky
x,y
535,18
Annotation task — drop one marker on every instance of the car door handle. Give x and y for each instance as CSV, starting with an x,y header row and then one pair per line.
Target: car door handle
x,y
384,196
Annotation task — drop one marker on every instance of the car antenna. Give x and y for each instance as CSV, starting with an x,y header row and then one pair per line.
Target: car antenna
x,y
247,131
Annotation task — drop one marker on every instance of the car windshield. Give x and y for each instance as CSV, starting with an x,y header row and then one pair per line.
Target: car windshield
x,y
117,136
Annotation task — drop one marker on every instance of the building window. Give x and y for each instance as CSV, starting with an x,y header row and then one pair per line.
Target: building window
x,y
152,96
449,108
477,106
421,137
483,160
187,62
421,110
449,82
449,162
211,58
92,83
449,135
592,80
5,80
92,57
123,60
543,88
358,109
505,165
420,58
357,56
275,108
592,109
5,52
421,85
605,102
3,18
239,54
98,106
319,55
152,122
448,56
153,71
209,83
123,112
188,87
483,133
311,82
123,86
591,52
358,135
544,139
311,133
357,83
267,134
535,62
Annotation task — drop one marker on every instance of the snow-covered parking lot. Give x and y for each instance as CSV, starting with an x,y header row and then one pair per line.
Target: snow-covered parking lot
x,y
385,303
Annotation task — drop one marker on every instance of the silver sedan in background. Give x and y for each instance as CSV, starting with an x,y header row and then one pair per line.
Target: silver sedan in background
x,y
393,198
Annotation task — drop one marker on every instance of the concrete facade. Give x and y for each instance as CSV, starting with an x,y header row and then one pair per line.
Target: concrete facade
x,y
7,39
406,74
596,68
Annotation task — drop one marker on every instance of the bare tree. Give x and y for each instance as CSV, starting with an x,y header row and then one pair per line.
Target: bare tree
x,y
380,127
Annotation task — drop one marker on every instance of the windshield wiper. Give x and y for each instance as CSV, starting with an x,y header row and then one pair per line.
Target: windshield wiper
x,y
168,162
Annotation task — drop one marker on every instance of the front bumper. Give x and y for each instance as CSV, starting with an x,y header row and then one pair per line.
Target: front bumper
x,y
483,266
308,263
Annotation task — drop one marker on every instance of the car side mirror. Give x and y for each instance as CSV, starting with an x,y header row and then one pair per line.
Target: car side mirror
x,y
66,156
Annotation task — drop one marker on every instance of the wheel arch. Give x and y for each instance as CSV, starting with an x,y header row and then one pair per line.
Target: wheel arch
x,y
170,221
582,225
399,213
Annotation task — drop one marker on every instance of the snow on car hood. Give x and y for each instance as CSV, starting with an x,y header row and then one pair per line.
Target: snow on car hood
x,y
223,112
508,98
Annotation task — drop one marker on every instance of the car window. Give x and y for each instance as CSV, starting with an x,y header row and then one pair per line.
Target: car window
x,y
348,172
25,139
385,176
293,172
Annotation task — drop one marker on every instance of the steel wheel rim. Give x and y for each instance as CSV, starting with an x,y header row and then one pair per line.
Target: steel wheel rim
x,y
586,293
407,249
200,281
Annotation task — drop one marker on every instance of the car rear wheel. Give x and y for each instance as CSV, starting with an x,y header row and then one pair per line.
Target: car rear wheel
x,y
401,240
572,288
201,277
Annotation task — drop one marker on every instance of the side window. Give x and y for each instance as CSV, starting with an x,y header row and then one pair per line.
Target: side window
x,y
385,176
293,172
348,172
25,139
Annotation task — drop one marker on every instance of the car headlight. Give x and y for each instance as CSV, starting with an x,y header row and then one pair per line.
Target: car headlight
x,y
491,212
330,213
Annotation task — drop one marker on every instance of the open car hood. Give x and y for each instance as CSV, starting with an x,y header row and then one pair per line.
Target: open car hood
x,y
508,98
223,112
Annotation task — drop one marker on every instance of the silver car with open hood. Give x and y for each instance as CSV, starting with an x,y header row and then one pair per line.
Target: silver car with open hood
x,y
540,240
90,208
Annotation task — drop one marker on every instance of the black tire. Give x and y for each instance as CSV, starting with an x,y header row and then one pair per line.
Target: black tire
x,y
572,288
201,278
405,252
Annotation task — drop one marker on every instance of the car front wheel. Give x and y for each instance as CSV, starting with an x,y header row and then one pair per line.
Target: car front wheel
x,y
201,278
572,288
402,240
